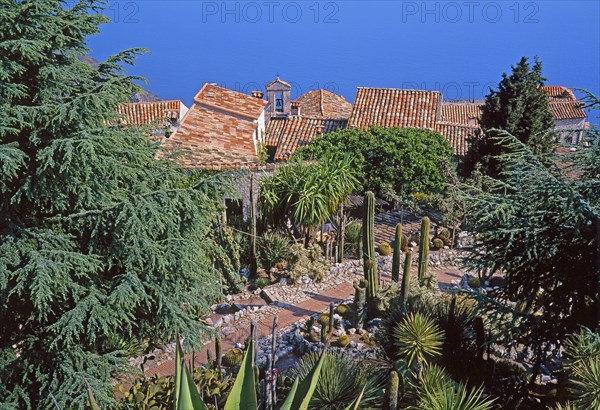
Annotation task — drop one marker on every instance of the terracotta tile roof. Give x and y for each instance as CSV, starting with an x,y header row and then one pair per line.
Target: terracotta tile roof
x,y
565,110
230,101
457,135
558,93
149,113
218,130
280,81
297,131
390,107
323,103
274,129
465,113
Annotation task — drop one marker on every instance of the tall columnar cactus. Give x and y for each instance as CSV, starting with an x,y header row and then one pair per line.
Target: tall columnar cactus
x,y
369,258
359,303
405,279
253,259
424,250
391,392
397,253
341,233
218,350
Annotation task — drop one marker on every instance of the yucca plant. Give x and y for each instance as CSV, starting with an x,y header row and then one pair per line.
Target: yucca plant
x,y
582,364
585,384
341,380
417,339
454,398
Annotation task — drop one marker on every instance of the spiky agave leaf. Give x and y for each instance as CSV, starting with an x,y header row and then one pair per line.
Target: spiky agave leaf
x,y
418,339
243,392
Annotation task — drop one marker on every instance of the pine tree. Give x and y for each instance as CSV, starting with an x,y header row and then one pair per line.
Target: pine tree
x,y
540,226
100,244
520,107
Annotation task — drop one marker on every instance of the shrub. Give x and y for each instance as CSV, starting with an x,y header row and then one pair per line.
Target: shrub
x,y
438,244
384,249
418,339
233,358
262,282
343,341
474,283
306,261
272,249
341,310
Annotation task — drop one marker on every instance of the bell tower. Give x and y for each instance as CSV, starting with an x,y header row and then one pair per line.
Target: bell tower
x,y
278,96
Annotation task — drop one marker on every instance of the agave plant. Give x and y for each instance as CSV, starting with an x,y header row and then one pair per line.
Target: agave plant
x,y
341,379
417,339
272,248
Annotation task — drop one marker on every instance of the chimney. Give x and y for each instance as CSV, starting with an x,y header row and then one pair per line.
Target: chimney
x,y
257,94
295,110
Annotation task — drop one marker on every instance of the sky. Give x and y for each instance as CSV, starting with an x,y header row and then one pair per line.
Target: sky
x,y
460,48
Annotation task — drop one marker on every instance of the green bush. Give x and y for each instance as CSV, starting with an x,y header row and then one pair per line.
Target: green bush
x,y
474,283
437,244
384,249
343,341
262,282
272,249
233,358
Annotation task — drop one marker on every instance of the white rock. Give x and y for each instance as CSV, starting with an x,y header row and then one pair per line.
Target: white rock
x,y
351,331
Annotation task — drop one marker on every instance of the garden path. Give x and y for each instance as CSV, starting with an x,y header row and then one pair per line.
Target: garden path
x,y
315,297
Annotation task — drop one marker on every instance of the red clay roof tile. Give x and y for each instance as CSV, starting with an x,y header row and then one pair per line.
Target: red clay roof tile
x,y
390,107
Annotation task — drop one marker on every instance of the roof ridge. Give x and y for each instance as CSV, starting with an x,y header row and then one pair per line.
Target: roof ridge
x,y
398,89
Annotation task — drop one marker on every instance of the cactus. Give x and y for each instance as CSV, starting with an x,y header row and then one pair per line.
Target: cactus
x,y
331,312
323,333
253,258
397,253
340,235
405,279
369,258
218,350
391,392
424,250
359,303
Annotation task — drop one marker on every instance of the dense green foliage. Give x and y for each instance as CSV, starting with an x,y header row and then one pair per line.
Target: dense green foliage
x,y
306,192
389,161
99,242
540,225
519,106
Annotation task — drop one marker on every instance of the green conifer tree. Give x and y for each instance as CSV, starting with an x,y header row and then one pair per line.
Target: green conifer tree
x,y
100,243
520,107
